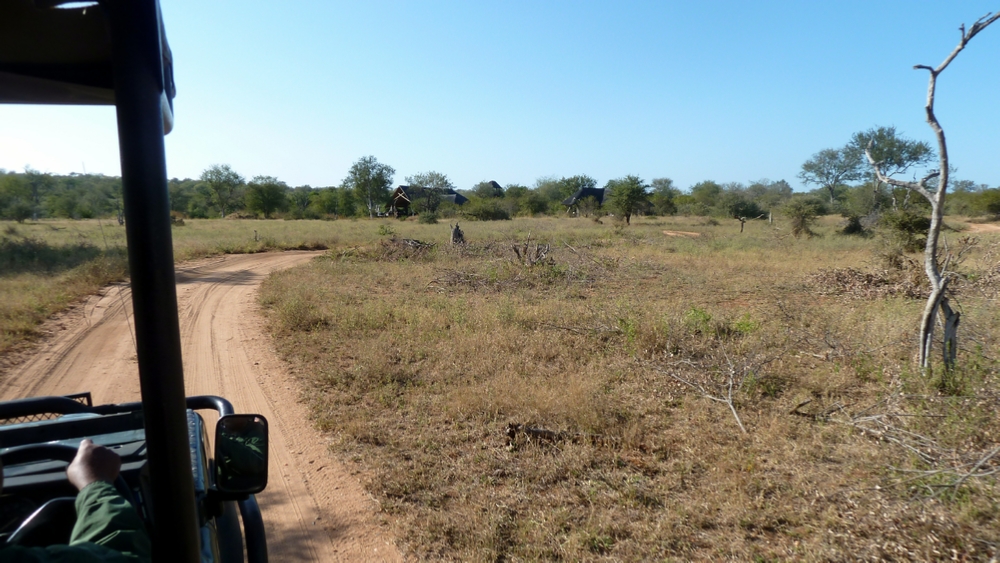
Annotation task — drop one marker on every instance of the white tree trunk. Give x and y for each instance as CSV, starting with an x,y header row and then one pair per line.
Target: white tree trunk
x,y
936,273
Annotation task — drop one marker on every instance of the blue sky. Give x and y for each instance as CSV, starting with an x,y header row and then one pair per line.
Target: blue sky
x,y
513,91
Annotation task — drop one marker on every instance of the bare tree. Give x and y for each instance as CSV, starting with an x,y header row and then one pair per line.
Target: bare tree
x,y
937,270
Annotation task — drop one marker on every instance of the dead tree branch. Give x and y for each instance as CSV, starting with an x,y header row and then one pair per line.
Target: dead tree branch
x,y
529,254
881,422
933,267
726,399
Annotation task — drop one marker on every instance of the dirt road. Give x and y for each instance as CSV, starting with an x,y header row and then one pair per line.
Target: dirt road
x,y
314,510
983,228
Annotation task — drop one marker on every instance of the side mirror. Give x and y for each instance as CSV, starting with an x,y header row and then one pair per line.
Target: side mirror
x,y
241,454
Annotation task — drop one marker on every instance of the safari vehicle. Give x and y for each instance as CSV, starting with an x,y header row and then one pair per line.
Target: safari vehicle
x,y
115,52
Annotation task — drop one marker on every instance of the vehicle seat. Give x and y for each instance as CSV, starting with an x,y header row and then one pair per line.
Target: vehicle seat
x,y
51,524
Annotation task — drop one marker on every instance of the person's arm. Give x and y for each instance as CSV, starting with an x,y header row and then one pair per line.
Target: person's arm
x,y
103,516
108,529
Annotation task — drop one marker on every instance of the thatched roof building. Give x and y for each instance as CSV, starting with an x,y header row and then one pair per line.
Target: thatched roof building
x,y
404,196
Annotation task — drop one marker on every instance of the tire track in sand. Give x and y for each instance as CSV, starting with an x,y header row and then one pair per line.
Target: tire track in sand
x,y
314,510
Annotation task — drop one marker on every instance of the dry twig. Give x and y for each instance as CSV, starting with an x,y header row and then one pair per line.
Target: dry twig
x,y
529,254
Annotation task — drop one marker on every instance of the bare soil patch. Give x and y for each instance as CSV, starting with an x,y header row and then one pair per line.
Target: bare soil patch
x,y
983,228
681,234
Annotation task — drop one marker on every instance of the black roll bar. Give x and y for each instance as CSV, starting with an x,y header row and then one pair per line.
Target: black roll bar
x,y
140,85
213,402
67,405
20,408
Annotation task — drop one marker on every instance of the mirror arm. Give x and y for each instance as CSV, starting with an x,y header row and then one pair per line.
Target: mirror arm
x,y
253,530
217,497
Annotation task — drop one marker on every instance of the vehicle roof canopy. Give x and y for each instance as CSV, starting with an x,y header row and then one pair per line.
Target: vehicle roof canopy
x,y
60,52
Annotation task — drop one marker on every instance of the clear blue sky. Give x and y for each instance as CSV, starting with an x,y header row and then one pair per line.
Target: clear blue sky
x,y
512,91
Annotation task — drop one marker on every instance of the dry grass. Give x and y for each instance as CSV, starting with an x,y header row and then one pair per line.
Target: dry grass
x,y
47,265
608,355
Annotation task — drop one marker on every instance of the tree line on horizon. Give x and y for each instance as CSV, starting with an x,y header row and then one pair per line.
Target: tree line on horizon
x,y
844,184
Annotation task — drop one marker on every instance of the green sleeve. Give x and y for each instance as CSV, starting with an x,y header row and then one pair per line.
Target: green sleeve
x,y
108,530
105,518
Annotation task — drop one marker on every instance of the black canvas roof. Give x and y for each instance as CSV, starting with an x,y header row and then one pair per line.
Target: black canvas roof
x,y
447,194
55,55
596,193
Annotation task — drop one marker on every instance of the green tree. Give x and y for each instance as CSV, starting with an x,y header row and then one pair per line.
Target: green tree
x,y
515,199
327,201
19,210
267,194
15,197
429,201
706,193
830,168
535,203
662,198
64,204
182,194
627,195
551,189
301,198
893,153
515,191
769,195
736,202
487,189
989,201
573,184
370,180
40,184
863,201
347,202
555,191
430,179
224,184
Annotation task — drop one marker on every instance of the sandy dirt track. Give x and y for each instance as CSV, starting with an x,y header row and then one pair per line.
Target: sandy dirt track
x,y
314,510
983,228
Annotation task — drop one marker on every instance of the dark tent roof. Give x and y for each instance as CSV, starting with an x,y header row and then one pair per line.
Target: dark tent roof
x,y
596,193
447,194
454,197
55,55
410,193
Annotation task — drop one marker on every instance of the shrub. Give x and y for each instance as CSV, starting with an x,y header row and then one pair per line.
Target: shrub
x,y
853,226
905,228
19,210
743,208
487,210
693,209
803,213
447,210
428,218
989,202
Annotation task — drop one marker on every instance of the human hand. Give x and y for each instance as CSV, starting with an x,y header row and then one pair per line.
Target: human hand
x,y
93,463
